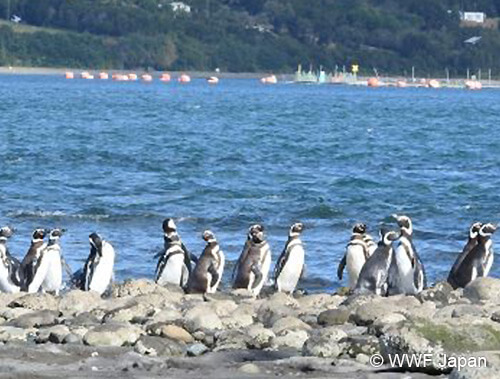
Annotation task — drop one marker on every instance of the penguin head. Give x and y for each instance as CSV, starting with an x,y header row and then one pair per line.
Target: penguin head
x,y
388,236
95,241
6,232
359,228
256,233
487,230
404,223
169,226
296,229
209,236
55,234
474,230
38,235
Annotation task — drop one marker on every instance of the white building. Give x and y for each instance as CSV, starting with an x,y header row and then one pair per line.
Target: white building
x,y
178,6
478,17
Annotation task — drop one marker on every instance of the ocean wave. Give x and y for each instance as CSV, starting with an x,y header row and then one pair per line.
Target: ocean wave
x,y
54,214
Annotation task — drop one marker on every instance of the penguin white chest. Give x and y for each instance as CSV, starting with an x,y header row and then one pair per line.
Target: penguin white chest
x,y
6,284
489,257
405,270
290,273
103,273
53,276
355,261
265,267
175,271
220,271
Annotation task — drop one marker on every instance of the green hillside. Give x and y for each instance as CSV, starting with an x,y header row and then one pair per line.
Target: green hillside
x,y
250,35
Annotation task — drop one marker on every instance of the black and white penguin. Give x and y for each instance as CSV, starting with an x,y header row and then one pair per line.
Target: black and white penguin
x,y
9,266
207,274
357,253
254,263
374,274
175,261
48,269
370,243
98,269
290,264
406,274
30,260
477,263
460,274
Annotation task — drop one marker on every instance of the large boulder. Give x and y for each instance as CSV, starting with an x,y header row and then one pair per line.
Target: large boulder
x,y
35,318
157,346
114,334
332,317
258,337
36,302
291,339
289,323
241,317
12,333
202,317
325,343
483,290
133,310
77,301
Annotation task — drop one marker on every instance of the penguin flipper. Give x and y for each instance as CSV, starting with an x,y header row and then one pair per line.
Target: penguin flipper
x,y
340,269
280,264
258,276
215,275
303,273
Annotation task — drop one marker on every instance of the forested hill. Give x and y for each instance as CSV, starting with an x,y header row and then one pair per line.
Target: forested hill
x,y
250,35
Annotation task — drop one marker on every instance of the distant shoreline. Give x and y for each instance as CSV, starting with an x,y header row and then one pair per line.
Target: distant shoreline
x,y
194,74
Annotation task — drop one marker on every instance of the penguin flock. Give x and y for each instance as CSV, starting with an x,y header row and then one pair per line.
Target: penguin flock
x,y
394,266
390,267
41,269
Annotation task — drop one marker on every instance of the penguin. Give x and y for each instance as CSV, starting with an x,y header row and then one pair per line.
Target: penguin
x,y
254,262
373,276
207,274
477,263
98,269
407,273
9,266
290,264
252,230
357,253
370,243
175,261
48,269
30,260
459,275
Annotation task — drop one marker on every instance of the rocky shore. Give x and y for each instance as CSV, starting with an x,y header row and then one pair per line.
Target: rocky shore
x,y
144,330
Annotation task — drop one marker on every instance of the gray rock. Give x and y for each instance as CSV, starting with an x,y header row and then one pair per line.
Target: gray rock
x,y
258,337
167,316
11,333
249,368
325,343
230,340
36,302
112,335
462,310
332,317
84,319
36,318
241,317
144,287
289,323
483,289
367,345
293,339
383,323
174,332
157,346
196,349
129,312
77,301
318,302
72,339
55,334
202,317
442,293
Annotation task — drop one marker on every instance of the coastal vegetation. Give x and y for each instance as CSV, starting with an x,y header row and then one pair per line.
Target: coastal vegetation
x,y
388,36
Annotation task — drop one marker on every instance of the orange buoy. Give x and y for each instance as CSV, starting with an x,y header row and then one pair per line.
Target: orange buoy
x,y
473,85
433,83
132,76
213,80
165,77
271,79
147,78
184,78
103,76
69,75
373,82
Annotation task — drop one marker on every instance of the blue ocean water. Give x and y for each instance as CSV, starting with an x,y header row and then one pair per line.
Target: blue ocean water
x,y
117,158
